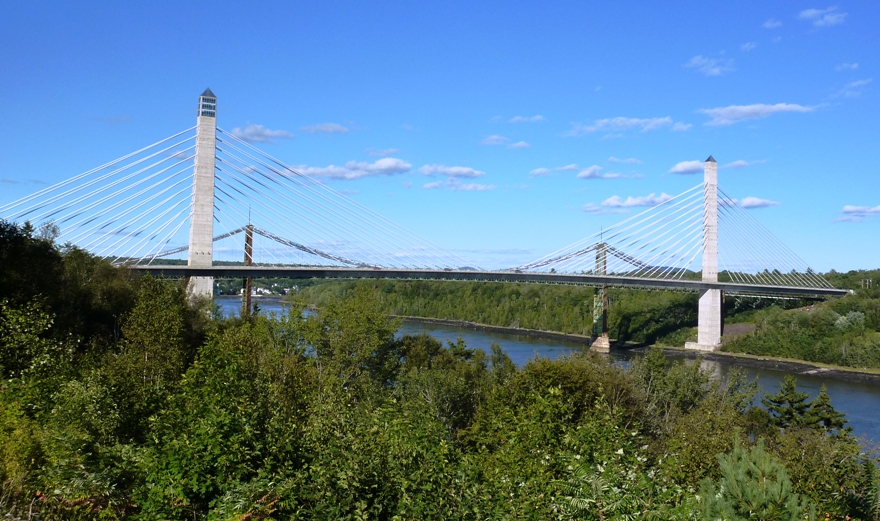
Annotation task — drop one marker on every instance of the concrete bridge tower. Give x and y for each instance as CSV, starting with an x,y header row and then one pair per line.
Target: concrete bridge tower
x,y
709,321
201,232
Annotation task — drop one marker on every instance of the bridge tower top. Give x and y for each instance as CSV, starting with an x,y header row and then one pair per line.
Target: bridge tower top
x,y
208,104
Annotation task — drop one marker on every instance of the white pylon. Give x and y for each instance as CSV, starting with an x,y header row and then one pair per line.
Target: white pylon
x,y
201,231
709,319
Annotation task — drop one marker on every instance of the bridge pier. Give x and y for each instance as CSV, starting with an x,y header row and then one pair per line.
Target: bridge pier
x,y
201,231
709,318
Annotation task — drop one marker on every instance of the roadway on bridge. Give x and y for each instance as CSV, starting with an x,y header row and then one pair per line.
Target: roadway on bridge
x,y
490,276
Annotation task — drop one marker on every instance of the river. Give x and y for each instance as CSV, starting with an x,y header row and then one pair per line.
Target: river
x,y
860,401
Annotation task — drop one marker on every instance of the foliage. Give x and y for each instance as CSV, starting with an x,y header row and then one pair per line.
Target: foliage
x,y
121,399
844,331
789,407
753,485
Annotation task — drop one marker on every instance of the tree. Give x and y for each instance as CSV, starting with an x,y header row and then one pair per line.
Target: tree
x,y
788,407
753,485
824,416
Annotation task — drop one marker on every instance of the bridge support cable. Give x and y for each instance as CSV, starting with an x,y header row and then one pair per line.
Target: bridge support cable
x,y
349,207
94,238
121,257
363,232
658,242
612,234
322,229
292,244
110,219
652,250
759,254
120,204
6,209
414,247
59,202
108,210
319,231
224,220
741,256
148,234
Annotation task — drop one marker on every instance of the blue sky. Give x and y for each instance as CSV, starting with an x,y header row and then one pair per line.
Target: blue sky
x,y
501,131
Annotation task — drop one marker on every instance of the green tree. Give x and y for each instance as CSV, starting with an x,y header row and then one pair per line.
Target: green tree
x,y
753,486
788,407
824,416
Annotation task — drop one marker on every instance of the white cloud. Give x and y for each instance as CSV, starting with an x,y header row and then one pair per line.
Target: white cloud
x,y
848,219
527,119
451,171
687,167
615,201
260,134
325,128
494,140
823,17
591,172
733,113
853,89
595,172
750,203
407,184
771,24
519,144
469,187
618,125
456,185
861,211
748,46
538,172
627,161
405,126
593,208
681,127
385,152
358,170
847,67
710,66
567,168
742,163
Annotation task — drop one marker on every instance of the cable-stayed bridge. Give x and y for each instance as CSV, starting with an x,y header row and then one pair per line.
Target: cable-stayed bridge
x,y
204,203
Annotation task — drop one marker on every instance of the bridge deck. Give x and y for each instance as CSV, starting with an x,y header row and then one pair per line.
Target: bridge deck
x,y
497,276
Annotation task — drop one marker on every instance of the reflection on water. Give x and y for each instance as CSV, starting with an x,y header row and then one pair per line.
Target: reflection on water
x,y
860,401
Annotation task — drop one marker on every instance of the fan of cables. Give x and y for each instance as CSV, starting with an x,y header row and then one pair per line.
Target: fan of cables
x,y
136,210
665,242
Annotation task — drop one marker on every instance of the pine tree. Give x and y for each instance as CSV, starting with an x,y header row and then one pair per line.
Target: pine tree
x,y
823,415
753,485
788,407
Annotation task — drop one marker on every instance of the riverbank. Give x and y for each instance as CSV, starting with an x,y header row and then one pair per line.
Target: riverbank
x,y
534,333
796,367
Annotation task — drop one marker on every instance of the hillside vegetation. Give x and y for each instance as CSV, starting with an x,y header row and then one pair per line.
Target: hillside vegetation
x,y
119,399
843,331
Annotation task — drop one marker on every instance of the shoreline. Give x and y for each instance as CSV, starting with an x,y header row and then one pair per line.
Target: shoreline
x,y
796,367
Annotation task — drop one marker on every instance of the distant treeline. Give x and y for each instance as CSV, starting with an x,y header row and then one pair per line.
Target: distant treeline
x,y
844,331
638,316
841,331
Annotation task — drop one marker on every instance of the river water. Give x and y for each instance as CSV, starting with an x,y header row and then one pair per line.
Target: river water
x,y
858,400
